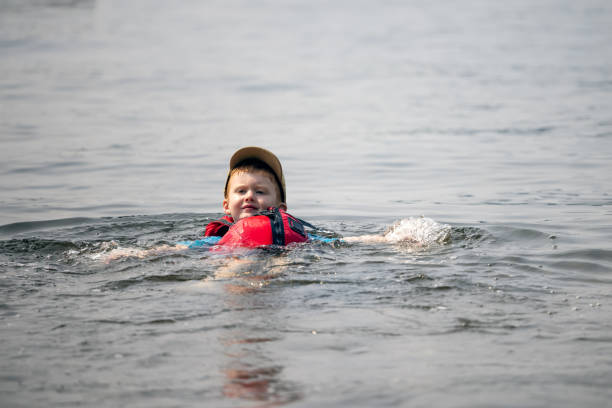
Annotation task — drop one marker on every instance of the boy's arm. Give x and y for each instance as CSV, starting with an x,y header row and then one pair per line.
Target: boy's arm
x,y
366,238
141,253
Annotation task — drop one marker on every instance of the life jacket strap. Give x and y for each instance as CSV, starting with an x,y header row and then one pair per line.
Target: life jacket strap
x,y
276,222
306,224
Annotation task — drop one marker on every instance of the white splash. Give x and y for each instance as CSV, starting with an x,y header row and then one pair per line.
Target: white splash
x,y
420,230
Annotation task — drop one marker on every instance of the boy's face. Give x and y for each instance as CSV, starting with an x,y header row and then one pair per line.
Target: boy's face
x,y
250,192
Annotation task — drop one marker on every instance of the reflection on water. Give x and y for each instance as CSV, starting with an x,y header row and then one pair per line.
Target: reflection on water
x,y
258,379
251,372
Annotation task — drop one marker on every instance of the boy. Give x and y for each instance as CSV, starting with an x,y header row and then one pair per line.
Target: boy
x,y
254,183
255,186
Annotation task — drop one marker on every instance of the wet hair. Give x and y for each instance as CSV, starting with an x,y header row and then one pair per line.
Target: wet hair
x,y
252,165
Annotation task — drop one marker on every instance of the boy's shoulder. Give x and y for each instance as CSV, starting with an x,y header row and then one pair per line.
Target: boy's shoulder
x,y
219,227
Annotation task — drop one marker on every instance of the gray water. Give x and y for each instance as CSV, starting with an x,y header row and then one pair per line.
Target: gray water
x,y
117,120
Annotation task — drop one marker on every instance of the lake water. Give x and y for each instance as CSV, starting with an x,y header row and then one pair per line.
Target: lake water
x,y
117,120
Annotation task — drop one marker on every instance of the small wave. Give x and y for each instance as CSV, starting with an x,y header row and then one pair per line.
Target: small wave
x,y
495,326
21,227
49,167
181,276
469,234
587,254
37,246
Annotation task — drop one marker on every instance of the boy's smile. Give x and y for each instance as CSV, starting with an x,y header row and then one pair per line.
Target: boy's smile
x,y
249,193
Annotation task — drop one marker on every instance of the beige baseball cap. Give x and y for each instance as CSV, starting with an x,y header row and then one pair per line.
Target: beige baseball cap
x,y
266,156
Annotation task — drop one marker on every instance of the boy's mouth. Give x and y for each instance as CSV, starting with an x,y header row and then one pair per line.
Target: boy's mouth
x,y
249,207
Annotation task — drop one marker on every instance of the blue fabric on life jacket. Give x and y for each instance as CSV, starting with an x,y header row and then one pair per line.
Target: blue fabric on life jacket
x,y
201,243
213,240
326,240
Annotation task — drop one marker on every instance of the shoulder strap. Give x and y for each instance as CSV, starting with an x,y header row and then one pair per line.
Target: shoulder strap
x,y
224,221
273,209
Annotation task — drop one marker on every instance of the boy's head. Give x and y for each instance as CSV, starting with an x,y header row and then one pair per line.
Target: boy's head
x,y
255,182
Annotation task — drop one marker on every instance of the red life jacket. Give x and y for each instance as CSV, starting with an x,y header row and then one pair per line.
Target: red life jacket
x,y
270,227
220,227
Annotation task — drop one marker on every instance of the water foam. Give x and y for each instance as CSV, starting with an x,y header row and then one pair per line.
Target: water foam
x,y
420,230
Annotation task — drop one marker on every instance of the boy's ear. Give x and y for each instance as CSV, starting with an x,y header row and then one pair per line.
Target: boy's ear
x,y
283,206
226,208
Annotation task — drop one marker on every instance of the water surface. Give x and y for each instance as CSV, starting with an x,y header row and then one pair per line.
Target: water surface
x,y
116,124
